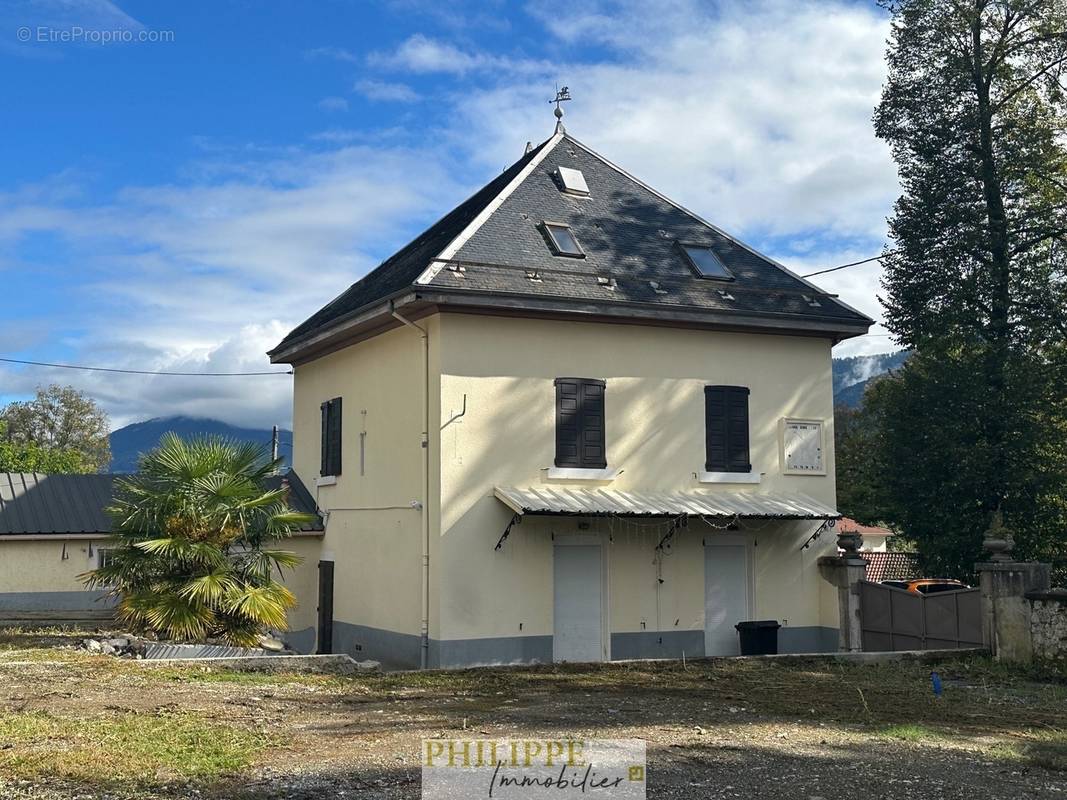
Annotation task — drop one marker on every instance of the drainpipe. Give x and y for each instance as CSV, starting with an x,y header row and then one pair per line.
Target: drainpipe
x,y
424,659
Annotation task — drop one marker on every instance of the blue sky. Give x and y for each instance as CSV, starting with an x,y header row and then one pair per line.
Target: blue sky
x,y
181,199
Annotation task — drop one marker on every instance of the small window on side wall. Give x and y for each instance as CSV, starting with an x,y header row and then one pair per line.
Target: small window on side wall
x,y
726,428
330,444
580,423
562,240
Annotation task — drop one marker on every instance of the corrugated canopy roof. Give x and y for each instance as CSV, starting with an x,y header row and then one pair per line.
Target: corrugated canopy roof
x,y
36,504
600,502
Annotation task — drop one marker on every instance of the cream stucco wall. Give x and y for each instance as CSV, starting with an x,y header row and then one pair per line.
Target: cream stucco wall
x,y
302,582
39,566
373,531
655,435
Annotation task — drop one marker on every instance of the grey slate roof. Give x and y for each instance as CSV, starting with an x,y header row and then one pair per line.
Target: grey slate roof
x,y
36,504
400,270
628,232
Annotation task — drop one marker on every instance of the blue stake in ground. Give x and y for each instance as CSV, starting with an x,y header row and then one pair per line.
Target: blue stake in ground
x,y
935,682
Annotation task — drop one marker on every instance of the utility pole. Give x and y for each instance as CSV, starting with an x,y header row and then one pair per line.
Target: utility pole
x,y
274,445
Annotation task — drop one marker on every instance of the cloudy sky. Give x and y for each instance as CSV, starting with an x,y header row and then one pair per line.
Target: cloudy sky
x,y
179,200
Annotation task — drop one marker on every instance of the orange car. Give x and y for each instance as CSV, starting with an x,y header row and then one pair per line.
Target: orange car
x,y
928,585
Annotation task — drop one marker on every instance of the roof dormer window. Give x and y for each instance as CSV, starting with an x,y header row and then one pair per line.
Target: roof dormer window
x,y
572,181
562,239
707,265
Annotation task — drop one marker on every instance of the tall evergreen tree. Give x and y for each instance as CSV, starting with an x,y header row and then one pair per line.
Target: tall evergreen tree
x,y
975,112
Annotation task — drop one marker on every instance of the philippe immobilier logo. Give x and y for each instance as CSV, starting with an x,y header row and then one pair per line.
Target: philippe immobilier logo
x,y
607,768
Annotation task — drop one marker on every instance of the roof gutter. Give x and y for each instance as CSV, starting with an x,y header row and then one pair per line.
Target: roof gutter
x,y
425,571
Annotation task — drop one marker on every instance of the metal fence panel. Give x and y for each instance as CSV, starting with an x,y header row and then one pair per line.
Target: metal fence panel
x,y
895,619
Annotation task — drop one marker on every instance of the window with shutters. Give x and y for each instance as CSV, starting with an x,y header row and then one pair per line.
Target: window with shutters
x,y
330,452
726,428
580,423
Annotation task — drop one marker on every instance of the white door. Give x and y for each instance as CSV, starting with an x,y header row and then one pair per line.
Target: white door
x,y
725,597
577,633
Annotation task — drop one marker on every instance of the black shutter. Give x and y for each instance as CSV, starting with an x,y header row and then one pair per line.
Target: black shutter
x,y
330,442
580,423
726,428
324,456
334,443
594,454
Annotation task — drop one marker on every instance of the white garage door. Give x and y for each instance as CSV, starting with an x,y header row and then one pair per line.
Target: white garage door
x,y
725,597
577,634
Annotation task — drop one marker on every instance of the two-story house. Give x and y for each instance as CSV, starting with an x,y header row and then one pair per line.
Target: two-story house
x,y
570,421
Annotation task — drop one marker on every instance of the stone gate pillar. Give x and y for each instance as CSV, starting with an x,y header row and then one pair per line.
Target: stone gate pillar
x,y
1005,583
845,572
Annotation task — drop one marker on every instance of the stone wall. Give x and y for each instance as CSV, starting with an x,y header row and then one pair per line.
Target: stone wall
x,y
1048,623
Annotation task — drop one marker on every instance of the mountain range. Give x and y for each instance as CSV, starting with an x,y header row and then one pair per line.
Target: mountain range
x,y
129,442
851,376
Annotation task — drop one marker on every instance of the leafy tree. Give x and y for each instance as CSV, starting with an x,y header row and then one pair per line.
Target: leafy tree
x,y
61,418
857,448
31,458
975,112
193,530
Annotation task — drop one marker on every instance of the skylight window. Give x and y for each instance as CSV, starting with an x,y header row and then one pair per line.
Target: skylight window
x,y
562,239
706,263
573,181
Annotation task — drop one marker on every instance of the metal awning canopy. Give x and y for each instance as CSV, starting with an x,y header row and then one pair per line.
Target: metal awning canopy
x,y
585,502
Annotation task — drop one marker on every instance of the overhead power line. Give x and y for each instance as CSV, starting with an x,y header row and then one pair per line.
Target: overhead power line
x,y
846,266
144,371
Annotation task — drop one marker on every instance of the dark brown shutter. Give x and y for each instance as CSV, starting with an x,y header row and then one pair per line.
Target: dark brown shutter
x,y
580,428
726,428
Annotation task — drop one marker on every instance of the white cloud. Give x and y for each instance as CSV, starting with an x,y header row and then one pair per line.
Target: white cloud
x,y
386,90
208,276
334,53
332,104
423,54
756,116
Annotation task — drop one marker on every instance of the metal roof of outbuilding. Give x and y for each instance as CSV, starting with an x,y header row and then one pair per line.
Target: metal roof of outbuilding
x,y
36,504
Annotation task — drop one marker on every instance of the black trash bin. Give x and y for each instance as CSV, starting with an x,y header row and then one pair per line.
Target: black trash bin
x,y
758,637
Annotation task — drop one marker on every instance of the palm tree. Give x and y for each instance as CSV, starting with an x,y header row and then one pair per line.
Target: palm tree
x,y
193,529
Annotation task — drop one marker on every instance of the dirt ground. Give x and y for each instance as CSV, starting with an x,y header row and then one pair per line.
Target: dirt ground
x,y
714,729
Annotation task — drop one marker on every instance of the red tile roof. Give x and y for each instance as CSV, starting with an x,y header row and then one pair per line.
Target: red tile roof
x,y
846,525
890,566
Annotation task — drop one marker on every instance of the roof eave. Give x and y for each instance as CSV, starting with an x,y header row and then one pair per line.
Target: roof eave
x,y
806,324
376,318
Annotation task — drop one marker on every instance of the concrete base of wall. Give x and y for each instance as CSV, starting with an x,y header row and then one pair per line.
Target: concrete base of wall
x,y
53,601
656,644
394,650
811,639
497,651
402,650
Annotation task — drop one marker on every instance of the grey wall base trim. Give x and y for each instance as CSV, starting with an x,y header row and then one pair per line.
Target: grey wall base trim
x,y
362,642
54,601
403,650
491,651
657,644
303,640
810,639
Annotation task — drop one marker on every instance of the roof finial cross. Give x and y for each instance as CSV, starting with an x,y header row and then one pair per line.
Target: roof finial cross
x,y
562,95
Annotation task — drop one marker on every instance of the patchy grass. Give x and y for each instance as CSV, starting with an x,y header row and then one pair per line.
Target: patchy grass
x,y
913,733
1047,749
211,674
139,747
